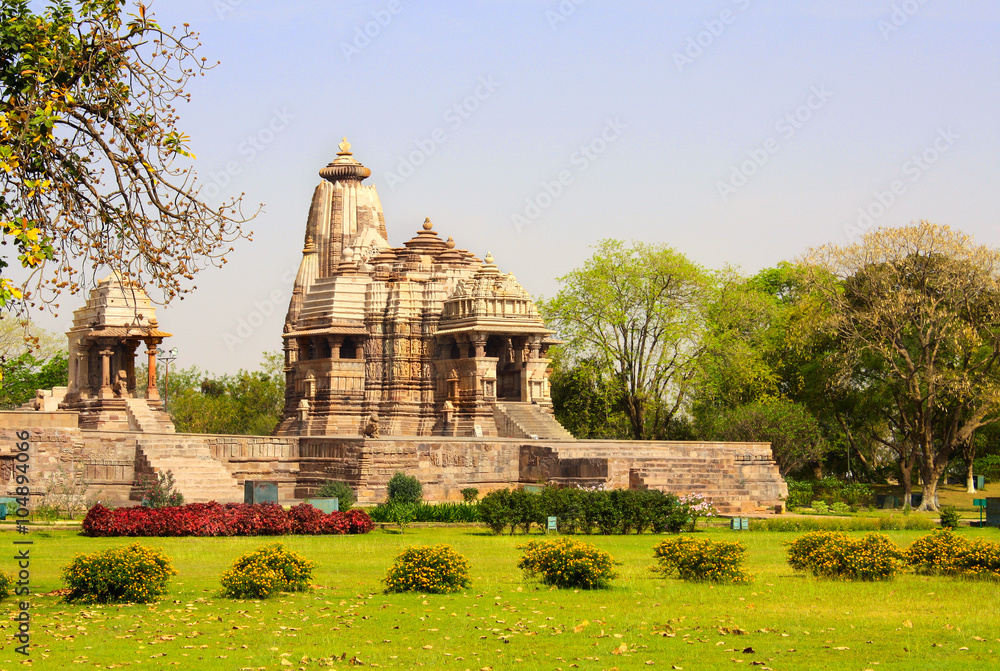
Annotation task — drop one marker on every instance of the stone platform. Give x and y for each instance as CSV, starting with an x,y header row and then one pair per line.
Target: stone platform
x,y
737,477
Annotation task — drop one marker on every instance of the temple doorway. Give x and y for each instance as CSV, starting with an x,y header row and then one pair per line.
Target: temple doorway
x,y
509,368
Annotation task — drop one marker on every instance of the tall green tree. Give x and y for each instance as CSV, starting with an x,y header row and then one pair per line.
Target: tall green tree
x,y
916,315
638,312
96,175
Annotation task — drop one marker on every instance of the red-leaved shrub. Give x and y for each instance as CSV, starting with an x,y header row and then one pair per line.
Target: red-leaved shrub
x,y
232,519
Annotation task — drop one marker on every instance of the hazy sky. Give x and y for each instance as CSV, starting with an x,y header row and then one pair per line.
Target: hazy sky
x,y
740,132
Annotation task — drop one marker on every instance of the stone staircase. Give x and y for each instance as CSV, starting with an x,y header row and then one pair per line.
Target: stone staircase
x,y
142,418
197,475
528,420
728,494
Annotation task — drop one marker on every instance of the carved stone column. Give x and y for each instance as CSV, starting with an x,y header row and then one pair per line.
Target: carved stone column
x,y
478,345
128,350
151,391
105,390
83,370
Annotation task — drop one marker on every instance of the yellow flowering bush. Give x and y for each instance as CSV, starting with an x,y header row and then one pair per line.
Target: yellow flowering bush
x,y
833,554
944,552
268,569
703,560
6,585
422,568
125,574
568,563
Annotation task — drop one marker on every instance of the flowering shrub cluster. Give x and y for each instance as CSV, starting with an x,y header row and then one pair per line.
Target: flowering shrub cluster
x,y
703,560
946,553
6,585
437,570
833,554
265,571
607,511
126,574
568,563
214,519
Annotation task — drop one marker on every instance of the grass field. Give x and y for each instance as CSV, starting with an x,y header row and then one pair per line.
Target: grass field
x,y
783,621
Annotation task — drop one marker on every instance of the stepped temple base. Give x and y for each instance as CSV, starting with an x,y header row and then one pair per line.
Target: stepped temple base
x,y
737,477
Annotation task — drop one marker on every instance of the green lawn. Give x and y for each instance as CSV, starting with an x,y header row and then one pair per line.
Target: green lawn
x,y
783,621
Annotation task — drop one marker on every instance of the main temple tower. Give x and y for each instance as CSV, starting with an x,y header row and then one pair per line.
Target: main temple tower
x,y
423,339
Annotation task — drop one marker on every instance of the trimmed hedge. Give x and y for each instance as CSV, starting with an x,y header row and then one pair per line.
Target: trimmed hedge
x,y
231,519
703,560
126,574
565,562
614,511
265,571
422,568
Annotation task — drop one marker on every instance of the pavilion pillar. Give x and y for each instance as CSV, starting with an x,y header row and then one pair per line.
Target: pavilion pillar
x,y
105,391
151,392
83,370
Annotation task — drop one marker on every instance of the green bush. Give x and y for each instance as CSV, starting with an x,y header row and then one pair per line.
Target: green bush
x,y
495,510
840,508
832,554
125,574
950,517
470,494
820,506
405,489
800,493
988,466
448,511
268,569
158,491
6,585
702,560
888,523
437,570
568,563
339,490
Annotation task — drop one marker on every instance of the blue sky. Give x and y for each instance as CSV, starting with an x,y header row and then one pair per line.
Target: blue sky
x,y
740,132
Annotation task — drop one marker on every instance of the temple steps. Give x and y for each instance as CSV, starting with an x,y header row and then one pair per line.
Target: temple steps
x,y
142,418
197,475
527,420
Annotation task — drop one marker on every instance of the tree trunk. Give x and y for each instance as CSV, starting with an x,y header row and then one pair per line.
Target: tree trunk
x,y
932,475
969,455
906,475
970,481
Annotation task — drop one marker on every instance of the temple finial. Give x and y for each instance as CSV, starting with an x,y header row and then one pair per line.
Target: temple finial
x,y
427,224
345,148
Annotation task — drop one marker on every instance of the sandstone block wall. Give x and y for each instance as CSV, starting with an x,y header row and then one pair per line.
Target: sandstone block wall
x,y
737,476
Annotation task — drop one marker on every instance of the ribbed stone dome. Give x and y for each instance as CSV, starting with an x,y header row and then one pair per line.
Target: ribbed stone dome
x,y
344,166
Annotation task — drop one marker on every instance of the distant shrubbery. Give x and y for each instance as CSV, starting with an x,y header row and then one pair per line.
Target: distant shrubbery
x,y
427,512
802,493
404,488
214,519
339,490
888,523
616,511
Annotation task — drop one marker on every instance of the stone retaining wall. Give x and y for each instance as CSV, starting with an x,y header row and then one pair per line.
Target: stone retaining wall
x,y
738,476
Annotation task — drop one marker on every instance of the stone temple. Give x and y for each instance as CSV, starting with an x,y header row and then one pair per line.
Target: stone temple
x,y
419,340
421,358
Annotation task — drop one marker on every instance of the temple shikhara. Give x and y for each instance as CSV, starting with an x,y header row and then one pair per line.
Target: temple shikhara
x,y
423,339
423,359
